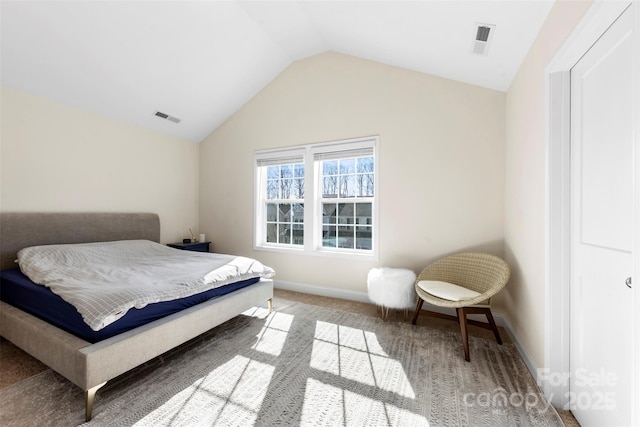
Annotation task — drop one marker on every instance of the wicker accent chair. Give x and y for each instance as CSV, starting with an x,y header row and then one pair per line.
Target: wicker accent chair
x,y
466,282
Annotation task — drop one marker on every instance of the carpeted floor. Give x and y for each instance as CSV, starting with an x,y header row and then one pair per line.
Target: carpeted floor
x,y
314,361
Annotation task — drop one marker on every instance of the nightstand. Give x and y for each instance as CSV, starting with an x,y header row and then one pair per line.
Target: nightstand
x,y
195,246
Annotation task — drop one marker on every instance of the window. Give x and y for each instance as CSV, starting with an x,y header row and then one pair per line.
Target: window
x,y
347,185
285,204
318,198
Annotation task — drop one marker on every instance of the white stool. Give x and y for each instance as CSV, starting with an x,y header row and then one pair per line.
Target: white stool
x,y
392,288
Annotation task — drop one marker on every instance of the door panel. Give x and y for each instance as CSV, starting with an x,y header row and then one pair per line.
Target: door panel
x,y
602,229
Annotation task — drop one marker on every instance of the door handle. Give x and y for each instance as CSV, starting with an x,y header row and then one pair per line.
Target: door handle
x,y
628,282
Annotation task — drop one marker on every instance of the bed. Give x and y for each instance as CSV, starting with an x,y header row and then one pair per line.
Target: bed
x,y
89,364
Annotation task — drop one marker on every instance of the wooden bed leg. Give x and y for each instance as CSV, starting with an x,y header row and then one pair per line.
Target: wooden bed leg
x,y
89,396
270,304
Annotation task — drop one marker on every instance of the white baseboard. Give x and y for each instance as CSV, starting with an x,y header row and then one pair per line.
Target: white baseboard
x,y
502,321
363,297
322,291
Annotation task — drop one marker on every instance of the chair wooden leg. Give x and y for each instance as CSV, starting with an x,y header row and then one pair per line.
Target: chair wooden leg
x,y
462,318
494,328
418,308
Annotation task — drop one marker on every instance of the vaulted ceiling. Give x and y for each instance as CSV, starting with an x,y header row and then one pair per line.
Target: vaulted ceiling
x,y
200,61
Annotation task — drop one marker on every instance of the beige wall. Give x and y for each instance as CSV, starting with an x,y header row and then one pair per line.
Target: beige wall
x,y
441,162
525,207
58,158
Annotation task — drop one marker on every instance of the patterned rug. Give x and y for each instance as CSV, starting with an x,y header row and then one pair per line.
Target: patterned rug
x,y
302,365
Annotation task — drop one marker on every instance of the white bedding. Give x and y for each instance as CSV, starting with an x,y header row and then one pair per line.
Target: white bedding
x,y
104,280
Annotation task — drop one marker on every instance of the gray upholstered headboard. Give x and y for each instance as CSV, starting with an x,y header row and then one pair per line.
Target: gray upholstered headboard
x,y
22,229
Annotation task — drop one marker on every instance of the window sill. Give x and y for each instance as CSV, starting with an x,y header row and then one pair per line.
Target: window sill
x,y
320,253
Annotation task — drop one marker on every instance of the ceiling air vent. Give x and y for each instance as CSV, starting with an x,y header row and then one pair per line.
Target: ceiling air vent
x,y
167,117
484,35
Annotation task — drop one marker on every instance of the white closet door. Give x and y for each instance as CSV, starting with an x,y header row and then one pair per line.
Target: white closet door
x,y
602,229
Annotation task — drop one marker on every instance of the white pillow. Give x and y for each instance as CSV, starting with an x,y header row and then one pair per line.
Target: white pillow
x,y
446,290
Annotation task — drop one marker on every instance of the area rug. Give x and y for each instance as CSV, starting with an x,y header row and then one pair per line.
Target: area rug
x,y
302,365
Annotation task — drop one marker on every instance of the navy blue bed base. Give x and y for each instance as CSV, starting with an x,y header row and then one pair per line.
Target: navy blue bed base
x,y
16,289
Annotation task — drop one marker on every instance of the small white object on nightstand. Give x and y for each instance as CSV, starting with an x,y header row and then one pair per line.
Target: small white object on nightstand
x,y
392,288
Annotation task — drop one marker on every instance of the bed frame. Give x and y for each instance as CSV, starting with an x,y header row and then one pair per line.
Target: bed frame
x,y
87,365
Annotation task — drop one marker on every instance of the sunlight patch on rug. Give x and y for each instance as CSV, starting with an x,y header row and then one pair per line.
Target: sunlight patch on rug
x,y
356,355
343,407
257,312
208,401
273,335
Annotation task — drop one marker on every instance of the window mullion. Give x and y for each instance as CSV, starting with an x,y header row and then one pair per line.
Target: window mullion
x,y
310,193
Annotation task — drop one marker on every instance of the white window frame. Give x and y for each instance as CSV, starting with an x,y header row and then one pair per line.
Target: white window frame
x,y
261,160
312,200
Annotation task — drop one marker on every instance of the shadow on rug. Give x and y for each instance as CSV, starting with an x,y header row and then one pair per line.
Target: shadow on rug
x,y
302,365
